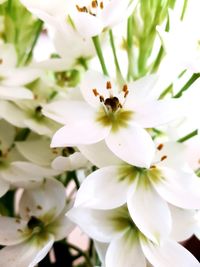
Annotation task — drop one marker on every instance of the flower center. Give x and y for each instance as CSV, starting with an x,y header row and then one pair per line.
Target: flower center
x,y
111,111
35,225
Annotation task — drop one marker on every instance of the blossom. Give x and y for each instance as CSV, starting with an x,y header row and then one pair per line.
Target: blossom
x,y
42,222
118,115
12,78
145,190
127,246
15,170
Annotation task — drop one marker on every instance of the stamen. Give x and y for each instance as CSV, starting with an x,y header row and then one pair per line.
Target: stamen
x,y
160,146
163,158
95,92
101,5
1,61
94,4
81,9
108,85
125,90
101,98
153,167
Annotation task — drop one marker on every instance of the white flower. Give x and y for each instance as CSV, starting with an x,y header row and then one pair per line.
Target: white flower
x,y
15,170
181,43
146,191
91,17
127,245
13,79
116,116
42,222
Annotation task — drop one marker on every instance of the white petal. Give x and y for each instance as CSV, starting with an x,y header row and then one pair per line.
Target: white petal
x,y
156,113
4,187
168,254
104,189
11,113
14,93
125,251
175,186
184,223
94,80
7,135
104,157
45,202
73,162
87,25
37,151
133,145
68,111
80,133
26,254
101,249
26,174
8,55
98,224
11,231
149,212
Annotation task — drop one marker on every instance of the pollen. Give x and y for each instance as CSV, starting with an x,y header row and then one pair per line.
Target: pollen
x,y
101,5
108,85
95,92
94,4
160,147
163,158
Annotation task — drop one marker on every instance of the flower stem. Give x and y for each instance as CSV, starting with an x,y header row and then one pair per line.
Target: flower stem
x,y
81,253
115,56
37,34
188,136
193,78
130,48
97,46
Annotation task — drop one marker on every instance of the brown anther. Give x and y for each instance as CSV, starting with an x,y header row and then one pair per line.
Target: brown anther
x,y
39,207
120,105
94,4
101,98
54,151
163,157
81,9
125,94
95,92
160,147
108,85
152,166
19,230
125,88
101,5
1,61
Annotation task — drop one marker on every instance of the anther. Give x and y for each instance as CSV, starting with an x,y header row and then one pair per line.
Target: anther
x,y
1,61
160,146
125,90
94,4
95,92
108,85
163,157
153,167
101,5
101,98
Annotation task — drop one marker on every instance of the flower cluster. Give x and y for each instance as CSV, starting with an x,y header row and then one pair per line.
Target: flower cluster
x,y
99,128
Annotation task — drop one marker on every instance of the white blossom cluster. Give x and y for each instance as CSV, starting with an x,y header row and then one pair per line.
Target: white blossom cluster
x,y
99,128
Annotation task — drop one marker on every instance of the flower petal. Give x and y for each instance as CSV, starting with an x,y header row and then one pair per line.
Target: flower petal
x,y
94,80
45,202
98,224
11,231
103,158
156,113
174,186
14,93
169,253
184,225
80,133
25,254
104,189
66,111
149,212
125,251
4,187
73,162
133,145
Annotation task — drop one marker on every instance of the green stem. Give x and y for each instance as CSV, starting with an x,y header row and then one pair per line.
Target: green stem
x,y
184,9
97,46
188,136
130,48
37,34
115,55
193,78
9,6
